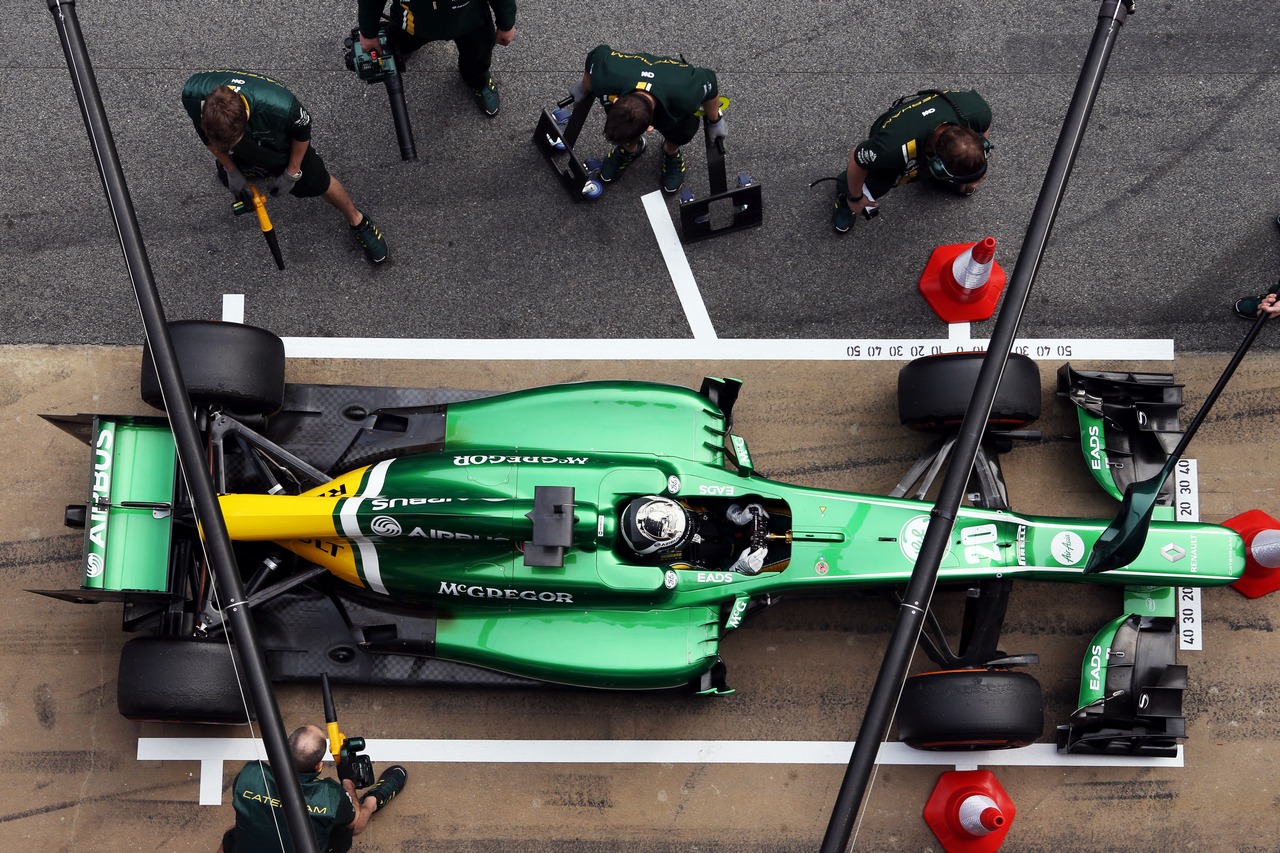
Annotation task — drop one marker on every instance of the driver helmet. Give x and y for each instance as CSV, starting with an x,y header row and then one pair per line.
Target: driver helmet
x,y
653,523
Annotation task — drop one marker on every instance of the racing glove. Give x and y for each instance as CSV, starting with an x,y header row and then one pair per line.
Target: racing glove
x,y
238,184
750,561
284,182
718,129
744,515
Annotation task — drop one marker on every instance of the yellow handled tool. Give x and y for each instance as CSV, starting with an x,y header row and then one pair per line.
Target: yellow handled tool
x,y
264,222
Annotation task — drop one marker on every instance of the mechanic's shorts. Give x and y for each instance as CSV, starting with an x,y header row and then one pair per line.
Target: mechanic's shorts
x,y
878,184
682,132
267,164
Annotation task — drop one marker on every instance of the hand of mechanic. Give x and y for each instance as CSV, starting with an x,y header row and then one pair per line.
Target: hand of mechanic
x,y
370,45
284,182
238,184
505,37
718,129
579,91
1269,305
860,204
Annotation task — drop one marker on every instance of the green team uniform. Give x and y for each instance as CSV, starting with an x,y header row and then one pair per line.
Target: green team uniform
x,y
276,120
679,88
260,819
893,152
437,20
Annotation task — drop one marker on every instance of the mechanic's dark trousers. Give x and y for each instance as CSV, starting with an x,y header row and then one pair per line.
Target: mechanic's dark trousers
x,y
339,841
475,52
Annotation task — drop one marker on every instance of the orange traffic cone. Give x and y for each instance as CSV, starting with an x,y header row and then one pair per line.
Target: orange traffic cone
x,y
962,282
969,812
1261,535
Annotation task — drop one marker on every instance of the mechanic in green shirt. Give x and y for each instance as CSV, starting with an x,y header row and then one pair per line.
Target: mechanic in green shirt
x,y
335,816
650,91
469,24
941,133
255,128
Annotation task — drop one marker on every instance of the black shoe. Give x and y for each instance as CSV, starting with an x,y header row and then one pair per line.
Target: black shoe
x,y
486,98
375,247
1247,308
841,215
390,783
618,160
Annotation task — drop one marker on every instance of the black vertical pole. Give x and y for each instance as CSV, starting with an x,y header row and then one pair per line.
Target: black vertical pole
x,y
906,630
186,437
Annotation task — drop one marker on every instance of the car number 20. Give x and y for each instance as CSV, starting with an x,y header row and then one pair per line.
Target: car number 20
x,y
979,543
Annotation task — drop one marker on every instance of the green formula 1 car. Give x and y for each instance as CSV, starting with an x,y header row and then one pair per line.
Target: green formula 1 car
x,y
601,534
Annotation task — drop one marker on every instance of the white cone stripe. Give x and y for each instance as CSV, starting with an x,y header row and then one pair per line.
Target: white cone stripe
x,y
1265,549
970,274
971,811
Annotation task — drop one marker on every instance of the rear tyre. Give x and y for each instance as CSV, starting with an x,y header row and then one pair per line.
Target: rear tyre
x,y
970,709
934,391
229,365
179,680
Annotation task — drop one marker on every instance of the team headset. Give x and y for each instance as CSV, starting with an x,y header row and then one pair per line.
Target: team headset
x,y
937,168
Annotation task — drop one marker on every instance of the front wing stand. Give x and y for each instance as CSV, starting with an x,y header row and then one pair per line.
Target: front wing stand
x,y
557,145
746,199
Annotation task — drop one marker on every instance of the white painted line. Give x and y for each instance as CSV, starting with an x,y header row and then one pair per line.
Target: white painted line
x,y
958,331
695,311
211,752
233,307
716,349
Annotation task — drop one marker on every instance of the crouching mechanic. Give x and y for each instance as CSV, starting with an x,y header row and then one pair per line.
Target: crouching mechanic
x,y
256,129
469,24
650,91
935,132
336,815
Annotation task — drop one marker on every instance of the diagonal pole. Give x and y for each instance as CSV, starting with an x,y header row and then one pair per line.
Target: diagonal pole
x,y
915,603
1122,541
186,438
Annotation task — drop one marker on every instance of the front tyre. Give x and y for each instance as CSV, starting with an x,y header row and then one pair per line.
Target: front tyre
x,y
934,392
970,709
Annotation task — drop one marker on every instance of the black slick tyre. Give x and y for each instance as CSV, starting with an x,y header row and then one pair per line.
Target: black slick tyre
x,y
970,709
178,680
229,365
934,391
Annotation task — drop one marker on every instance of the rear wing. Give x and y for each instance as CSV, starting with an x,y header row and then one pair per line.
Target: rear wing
x,y
128,510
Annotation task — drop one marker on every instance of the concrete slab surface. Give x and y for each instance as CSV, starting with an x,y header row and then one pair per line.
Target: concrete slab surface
x,y
802,669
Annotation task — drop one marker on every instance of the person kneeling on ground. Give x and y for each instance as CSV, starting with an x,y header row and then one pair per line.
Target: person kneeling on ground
x,y
935,132
336,814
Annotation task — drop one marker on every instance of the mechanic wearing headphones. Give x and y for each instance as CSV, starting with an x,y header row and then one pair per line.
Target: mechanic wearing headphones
x,y
336,815
939,133
469,24
658,91
255,128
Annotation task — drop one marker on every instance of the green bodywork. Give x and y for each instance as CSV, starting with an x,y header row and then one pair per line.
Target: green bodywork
x,y
1093,443
127,528
445,531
